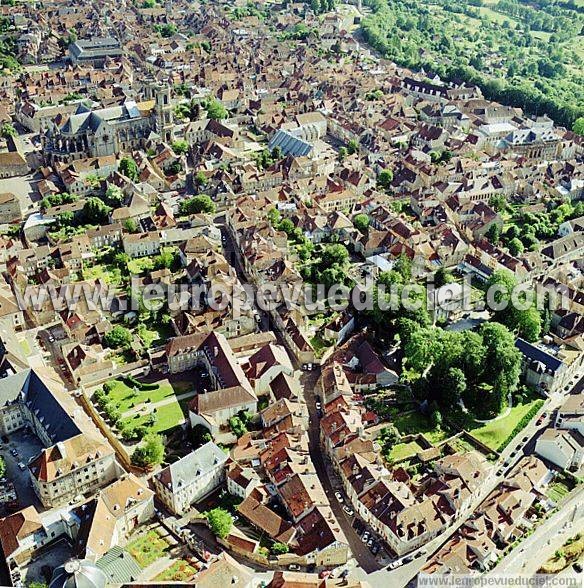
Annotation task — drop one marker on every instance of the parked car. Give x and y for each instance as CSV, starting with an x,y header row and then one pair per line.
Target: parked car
x,y
375,549
348,510
408,559
339,496
365,537
578,567
293,567
370,543
14,452
21,466
395,564
318,406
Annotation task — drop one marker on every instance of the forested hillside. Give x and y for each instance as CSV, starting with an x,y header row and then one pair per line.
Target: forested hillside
x,y
527,54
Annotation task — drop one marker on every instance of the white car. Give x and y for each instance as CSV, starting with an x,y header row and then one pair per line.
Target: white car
x,y
348,510
395,564
339,496
21,466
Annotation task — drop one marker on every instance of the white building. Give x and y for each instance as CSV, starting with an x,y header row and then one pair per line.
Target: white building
x,y
191,478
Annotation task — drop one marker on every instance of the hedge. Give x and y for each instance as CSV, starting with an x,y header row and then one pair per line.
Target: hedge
x,y
132,382
521,424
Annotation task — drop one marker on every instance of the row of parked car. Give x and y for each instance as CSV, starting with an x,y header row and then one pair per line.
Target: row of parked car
x,y
368,538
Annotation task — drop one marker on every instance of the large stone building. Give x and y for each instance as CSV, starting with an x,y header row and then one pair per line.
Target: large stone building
x,y
75,460
108,131
191,478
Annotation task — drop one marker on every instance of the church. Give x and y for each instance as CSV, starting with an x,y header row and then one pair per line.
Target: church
x,y
108,131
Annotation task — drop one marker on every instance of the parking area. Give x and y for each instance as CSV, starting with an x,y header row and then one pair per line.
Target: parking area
x,y
21,447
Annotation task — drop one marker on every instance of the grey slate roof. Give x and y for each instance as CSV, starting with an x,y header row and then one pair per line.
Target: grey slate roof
x,y
533,353
184,471
289,144
27,387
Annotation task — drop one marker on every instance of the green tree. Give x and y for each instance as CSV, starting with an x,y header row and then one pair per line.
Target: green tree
x,y
436,419
516,247
7,130
498,202
197,204
453,386
352,147
504,365
403,266
118,337
129,168
442,277
494,233
166,259
361,222
200,179
215,109
279,548
220,522
342,153
2,467
335,255
385,178
237,426
200,435
114,196
131,225
96,211
150,453
578,126
180,147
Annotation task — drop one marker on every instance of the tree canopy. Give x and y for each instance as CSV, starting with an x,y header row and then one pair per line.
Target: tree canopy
x,y
220,522
150,453
197,204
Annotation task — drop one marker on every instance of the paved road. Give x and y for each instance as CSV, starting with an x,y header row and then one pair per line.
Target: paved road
x,y
360,551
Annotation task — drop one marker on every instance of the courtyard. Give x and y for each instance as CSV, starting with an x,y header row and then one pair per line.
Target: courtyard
x,y
158,406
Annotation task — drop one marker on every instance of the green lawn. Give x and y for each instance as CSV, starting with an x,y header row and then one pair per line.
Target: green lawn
x,y
168,416
403,451
495,433
179,571
146,549
414,422
126,398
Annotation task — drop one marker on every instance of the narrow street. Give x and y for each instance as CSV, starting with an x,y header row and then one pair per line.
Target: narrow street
x,y
360,551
